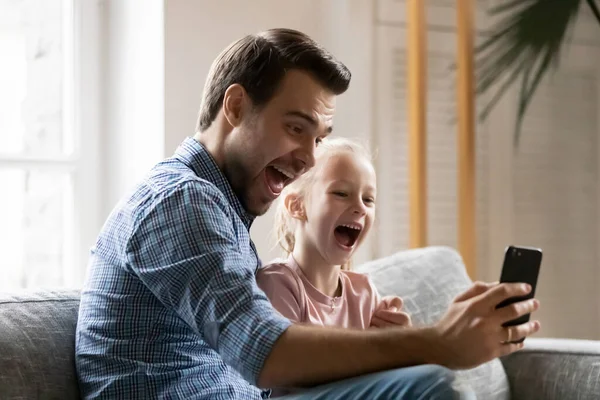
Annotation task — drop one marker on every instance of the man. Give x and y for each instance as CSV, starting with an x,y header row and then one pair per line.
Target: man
x,y
171,308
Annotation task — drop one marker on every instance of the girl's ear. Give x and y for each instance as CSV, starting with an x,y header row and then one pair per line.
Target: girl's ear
x,y
295,206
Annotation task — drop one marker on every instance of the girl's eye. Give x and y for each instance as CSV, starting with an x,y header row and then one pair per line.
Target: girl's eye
x,y
369,200
340,194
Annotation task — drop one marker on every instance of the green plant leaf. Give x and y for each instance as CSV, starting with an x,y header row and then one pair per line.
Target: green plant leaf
x,y
500,8
524,44
595,10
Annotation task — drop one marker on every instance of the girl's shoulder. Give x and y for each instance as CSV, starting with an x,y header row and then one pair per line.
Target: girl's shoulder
x,y
278,265
358,280
283,288
278,271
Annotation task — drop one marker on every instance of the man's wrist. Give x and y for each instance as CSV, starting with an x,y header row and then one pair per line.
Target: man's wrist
x,y
431,349
424,345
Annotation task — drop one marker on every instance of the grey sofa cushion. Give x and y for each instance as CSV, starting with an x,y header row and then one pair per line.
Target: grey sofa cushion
x,y
37,345
428,280
554,369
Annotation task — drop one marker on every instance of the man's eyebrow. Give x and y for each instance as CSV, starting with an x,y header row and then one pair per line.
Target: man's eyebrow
x,y
313,122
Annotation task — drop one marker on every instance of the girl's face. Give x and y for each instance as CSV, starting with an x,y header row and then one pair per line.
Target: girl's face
x,y
339,207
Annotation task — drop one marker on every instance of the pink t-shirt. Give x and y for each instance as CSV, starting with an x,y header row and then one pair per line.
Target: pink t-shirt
x,y
292,294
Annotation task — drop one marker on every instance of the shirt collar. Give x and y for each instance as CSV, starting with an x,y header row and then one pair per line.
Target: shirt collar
x,y
195,156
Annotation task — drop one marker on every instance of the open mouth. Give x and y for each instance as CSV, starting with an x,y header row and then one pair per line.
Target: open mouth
x,y
347,234
277,178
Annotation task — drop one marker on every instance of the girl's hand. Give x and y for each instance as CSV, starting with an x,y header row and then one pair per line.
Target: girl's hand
x,y
389,313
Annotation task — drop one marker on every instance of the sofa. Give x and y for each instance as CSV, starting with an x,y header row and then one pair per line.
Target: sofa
x,y
37,335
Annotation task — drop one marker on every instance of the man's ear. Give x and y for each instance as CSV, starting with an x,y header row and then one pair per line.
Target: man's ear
x,y
295,206
234,104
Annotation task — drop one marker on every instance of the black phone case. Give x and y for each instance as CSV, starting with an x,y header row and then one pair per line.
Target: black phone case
x,y
521,265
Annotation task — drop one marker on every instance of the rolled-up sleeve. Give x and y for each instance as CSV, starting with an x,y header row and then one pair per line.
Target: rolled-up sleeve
x,y
184,248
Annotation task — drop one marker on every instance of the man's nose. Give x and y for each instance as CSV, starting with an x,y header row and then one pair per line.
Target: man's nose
x,y
306,155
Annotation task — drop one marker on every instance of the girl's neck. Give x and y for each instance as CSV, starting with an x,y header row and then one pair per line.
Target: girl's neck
x,y
322,275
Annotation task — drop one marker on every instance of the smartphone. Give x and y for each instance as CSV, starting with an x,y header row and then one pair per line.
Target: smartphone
x,y
521,265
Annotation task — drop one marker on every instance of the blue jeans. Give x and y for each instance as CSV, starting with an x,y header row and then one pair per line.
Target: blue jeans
x,y
421,382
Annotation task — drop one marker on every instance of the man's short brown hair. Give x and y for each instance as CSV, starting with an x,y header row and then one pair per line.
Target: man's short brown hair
x,y
258,62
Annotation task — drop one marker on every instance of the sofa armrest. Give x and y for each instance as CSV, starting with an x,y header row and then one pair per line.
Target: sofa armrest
x,y
554,369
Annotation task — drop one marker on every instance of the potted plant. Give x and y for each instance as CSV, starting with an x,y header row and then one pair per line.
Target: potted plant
x,y
524,44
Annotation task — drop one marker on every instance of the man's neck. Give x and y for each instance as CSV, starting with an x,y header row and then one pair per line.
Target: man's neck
x,y
322,275
213,140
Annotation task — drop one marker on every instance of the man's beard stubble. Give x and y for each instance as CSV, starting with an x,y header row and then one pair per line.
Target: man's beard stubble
x,y
239,175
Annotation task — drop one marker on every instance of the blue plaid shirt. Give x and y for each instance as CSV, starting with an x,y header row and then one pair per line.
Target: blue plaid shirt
x,y
170,308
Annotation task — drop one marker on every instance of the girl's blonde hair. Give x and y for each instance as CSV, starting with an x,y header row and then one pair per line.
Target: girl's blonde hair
x,y
285,224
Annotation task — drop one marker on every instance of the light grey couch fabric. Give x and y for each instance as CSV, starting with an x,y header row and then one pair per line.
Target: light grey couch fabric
x,y
37,345
428,280
37,331
549,369
555,369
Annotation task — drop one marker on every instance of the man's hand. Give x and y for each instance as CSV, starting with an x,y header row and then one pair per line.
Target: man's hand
x,y
471,332
389,313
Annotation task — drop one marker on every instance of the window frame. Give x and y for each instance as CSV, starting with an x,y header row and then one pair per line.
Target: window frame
x,y
82,107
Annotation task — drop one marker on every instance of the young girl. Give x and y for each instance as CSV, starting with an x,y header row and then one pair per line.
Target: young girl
x,y
321,220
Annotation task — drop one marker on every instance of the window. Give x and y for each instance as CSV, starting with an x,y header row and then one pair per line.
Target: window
x,y
48,170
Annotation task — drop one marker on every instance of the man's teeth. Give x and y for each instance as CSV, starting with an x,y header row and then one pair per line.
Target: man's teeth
x,y
283,171
352,226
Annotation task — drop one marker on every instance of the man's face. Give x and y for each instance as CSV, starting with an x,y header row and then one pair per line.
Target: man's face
x,y
274,145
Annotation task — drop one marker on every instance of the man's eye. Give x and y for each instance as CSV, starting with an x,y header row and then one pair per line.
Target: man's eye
x,y
296,129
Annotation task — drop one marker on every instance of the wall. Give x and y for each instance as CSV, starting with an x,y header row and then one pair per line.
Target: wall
x,y
133,95
543,193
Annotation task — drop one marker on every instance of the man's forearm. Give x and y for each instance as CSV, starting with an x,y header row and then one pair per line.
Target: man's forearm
x,y
308,355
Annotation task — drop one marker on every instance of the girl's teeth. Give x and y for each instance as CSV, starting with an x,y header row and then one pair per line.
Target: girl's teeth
x,y
351,227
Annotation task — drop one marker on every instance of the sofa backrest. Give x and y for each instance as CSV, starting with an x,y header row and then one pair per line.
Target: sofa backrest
x,y
428,280
37,345
37,330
